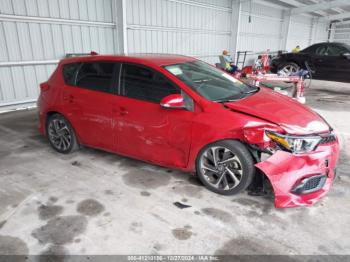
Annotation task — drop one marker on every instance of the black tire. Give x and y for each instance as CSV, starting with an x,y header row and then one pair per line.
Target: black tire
x,y
64,141
291,65
238,151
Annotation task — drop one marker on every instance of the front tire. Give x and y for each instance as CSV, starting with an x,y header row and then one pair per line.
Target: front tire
x,y
225,167
61,134
289,68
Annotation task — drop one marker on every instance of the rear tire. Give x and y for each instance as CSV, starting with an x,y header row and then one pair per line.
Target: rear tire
x,y
225,167
61,135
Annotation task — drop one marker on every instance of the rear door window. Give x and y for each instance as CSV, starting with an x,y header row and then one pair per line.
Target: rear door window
x,y
145,84
97,76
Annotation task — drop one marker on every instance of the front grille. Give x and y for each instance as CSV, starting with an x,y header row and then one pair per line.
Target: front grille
x,y
328,138
310,185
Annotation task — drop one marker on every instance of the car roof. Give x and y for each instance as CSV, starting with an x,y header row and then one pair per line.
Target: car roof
x,y
327,43
154,59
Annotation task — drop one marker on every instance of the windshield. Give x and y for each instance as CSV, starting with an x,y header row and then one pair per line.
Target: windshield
x,y
209,82
347,46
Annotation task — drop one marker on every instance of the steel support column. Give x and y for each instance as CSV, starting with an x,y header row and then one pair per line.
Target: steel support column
x,y
235,25
285,29
119,16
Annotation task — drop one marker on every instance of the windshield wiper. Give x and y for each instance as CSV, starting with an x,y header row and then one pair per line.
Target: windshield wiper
x,y
243,93
254,90
226,100
229,99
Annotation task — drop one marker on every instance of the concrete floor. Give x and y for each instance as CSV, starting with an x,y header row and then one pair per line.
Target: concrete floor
x,y
92,202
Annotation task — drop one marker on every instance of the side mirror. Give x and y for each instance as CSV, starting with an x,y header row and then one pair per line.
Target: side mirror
x,y
175,101
346,55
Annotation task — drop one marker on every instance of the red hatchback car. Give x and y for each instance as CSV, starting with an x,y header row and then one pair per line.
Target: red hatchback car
x,y
179,112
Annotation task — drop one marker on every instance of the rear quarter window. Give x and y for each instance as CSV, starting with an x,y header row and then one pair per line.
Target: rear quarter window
x,y
96,76
69,73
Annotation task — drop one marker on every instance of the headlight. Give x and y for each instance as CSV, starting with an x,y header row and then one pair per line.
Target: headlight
x,y
295,144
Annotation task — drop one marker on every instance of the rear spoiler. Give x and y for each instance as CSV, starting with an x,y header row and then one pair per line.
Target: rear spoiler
x,y
80,54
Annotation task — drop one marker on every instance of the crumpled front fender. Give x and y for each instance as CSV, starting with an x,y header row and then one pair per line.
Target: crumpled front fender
x,y
285,170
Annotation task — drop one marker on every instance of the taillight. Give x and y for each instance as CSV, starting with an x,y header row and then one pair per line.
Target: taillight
x,y
44,87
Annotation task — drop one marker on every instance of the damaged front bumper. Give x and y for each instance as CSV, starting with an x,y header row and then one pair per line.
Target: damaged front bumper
x,y
301,179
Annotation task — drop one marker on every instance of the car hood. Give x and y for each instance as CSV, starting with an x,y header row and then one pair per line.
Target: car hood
x,y
284,111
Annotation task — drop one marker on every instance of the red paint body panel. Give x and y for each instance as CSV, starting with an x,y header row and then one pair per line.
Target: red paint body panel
x,y
91,112
284,170
293,117
174,137
147,131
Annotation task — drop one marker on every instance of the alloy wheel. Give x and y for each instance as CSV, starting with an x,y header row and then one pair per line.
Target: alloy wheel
x,y
59,134
221,168
289,69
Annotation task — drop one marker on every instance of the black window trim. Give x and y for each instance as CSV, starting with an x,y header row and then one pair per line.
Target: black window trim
x,y
116,88
76,74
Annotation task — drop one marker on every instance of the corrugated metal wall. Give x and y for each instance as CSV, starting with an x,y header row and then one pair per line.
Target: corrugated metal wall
x,y
305,31
342,33
195,28
265,31
262,32
34,34
300,32
321,32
